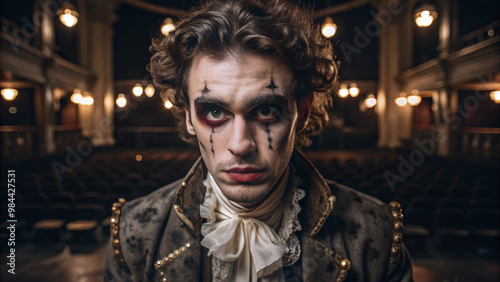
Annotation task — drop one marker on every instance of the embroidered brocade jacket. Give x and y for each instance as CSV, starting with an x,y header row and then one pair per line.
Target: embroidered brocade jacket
x,y
346,235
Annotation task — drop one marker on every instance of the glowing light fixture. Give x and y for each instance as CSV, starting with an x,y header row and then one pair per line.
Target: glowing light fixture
x,y
168,104
353,90
87,99
414,99
12,110
68,14
149,90
401,101
121,101
76,97
9,94
495,96
328,28
138,158
137,90
167,26
370,101
425,15
343,92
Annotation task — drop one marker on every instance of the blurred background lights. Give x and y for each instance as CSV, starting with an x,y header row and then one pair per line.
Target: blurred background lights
x,y
370,101
68,14
414,100
137,90
138,157
76,97
12,110
167,26
425,15
121,101
343,91
401,101
149,90
328,28
354,90
168,104
495,96
9,94
87,99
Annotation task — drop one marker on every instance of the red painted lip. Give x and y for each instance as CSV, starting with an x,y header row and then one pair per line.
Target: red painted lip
x,y
244,174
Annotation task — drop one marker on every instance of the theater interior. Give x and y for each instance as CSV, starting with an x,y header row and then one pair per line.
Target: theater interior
x,y
415,120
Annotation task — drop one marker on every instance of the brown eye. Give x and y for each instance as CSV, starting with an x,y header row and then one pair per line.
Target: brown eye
x,y
265,112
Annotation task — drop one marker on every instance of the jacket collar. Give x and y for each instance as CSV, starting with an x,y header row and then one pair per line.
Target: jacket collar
x,y
320,201
320,262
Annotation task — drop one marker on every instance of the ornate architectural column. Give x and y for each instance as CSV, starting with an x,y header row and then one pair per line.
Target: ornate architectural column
x,y
96,54
394,122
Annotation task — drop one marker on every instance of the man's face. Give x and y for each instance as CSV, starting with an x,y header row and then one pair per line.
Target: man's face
x,y
245,117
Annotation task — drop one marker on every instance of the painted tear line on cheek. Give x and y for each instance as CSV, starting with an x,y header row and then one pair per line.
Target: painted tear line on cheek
x,y
212,141
269,137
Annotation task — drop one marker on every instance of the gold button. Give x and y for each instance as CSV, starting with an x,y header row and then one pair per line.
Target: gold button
x,y
395,205
183,184
188,245
345,264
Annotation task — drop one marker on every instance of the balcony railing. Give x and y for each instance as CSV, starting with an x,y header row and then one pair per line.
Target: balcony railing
x,y
484,33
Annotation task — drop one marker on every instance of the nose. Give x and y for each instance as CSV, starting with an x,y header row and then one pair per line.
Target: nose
x,y
241,142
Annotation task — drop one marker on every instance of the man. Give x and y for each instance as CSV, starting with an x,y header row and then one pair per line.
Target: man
x,y
251,81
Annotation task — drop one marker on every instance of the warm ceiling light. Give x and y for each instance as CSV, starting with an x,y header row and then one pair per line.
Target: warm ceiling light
x,y
149,90
168,104
87,99
9,94
68,14
121,101
328,28
425,15
495,96
414,100
137,90
343,92
167,26
370,101
353,90
401,101
76,97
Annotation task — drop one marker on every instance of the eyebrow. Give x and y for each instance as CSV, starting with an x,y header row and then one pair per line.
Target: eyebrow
x,y
204,101
267,99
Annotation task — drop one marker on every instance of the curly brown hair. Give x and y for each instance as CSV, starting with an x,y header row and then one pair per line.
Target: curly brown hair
x,y
277,28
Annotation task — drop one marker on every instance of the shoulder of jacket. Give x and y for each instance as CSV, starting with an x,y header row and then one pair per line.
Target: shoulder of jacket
x,y
377,217
141,211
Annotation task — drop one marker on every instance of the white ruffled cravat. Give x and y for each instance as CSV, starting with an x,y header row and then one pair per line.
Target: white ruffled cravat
x,y
245,238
